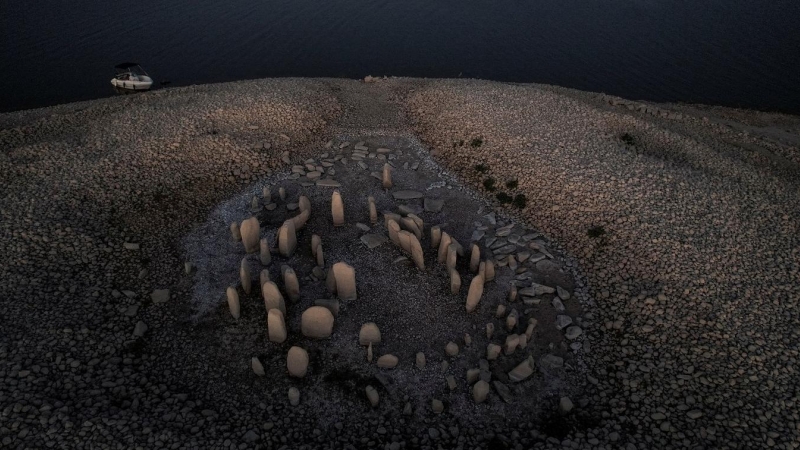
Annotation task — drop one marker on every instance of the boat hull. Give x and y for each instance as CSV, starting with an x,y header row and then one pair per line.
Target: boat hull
x,y
139,85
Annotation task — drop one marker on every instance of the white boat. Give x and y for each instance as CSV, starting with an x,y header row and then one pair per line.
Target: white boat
x,y
131,76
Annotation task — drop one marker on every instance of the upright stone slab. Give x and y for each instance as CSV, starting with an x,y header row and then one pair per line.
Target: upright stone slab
x,y
475,258
245,276
373,211
475,293
272,297
452,255
330,281
316,241
416,253
489,270
264,255
276,326
287,239
235,233
317,322
250,231
444,243
290,283
233,302
297,362
345,276
369,334
455,281
337,209
405,240
394,231
436,236
410,225
386,178
303,203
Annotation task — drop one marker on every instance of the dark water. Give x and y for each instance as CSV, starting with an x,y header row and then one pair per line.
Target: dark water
x,y
742,53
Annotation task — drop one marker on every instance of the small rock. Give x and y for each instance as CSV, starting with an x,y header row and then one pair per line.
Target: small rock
x,y
522,371
297,362
372,395
573,332
388,361
294,396
451,349
160,295
437,406
480,391
140,329
565,405
420,360
258,368
369,334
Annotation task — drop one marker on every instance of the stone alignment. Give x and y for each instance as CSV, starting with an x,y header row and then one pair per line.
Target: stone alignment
x,y
250,230
337,209
233,302
345,276
272,297
287,239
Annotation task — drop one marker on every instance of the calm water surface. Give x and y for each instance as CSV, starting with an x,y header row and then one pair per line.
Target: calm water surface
x,y
732,52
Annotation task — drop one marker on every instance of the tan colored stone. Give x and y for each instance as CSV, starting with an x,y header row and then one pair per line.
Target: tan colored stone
x,y
467,339
451,382
272,297
245,276
316,322
480,391
316,242
475,293
287,238
266,195
303,203
373,211
263,277
369,352
386,178
416,253
489,270
512,294
452,257
331,303
455,281
437,406
405,240
301,219
250,231
451,349
512,319
337,209
264,254
493,351
473,375
294,396
512,342
523,341
235,233
372,396
369,334
276,326
345,276
501,311
330,282
290,283
394,232
297,362
257,367
233,302
444,243
475,258
410,225
489,330
282,194
436,236
522,371
420,360
388,361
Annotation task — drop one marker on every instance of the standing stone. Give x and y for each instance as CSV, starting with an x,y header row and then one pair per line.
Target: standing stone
x,y
369,334
480,391
233,302
237,236
512,294
455,281
282,194
317,322
272,297
416,253
337,209
287,239
303,203
245,276
294,396
512,319
409,224
475,293
489,330
452,257
257,367
405,240
512,342
387,176
264,254
263,277
373,211
420,360
436,236
489,270
276,326
501,311
345,276
320,256
475,258
297,362
316,242
249,231
444,243
290,283
330,281
372,396
493,351
267,195
394,232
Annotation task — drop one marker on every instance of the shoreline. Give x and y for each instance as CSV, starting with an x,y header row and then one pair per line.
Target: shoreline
x,y
688,323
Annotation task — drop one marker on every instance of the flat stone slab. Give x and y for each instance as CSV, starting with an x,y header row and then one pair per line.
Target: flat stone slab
x,y
373,240
433,205
407,195
160,295
328,183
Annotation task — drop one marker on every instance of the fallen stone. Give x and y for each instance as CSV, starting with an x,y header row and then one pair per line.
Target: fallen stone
x,y
257,367
563,321
388,361
160,296
433,205
131,246
573,332
522,371
562,293
373,240
565,405
437,406
503,391
328,182
536,290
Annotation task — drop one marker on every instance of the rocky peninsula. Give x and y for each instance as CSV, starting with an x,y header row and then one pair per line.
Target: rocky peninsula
x,y
398,263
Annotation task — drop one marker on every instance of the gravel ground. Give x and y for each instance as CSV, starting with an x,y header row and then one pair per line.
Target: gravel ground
x,y
686,289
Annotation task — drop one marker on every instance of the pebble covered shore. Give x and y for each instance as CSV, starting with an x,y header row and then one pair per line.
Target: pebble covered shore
x,y
681,221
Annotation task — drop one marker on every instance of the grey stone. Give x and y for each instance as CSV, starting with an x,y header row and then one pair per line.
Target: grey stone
x,y
407,195
160,295
573,332
433,205
328,182
563,321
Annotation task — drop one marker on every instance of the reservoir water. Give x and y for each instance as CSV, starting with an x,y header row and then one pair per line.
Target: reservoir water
x,y
740,53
